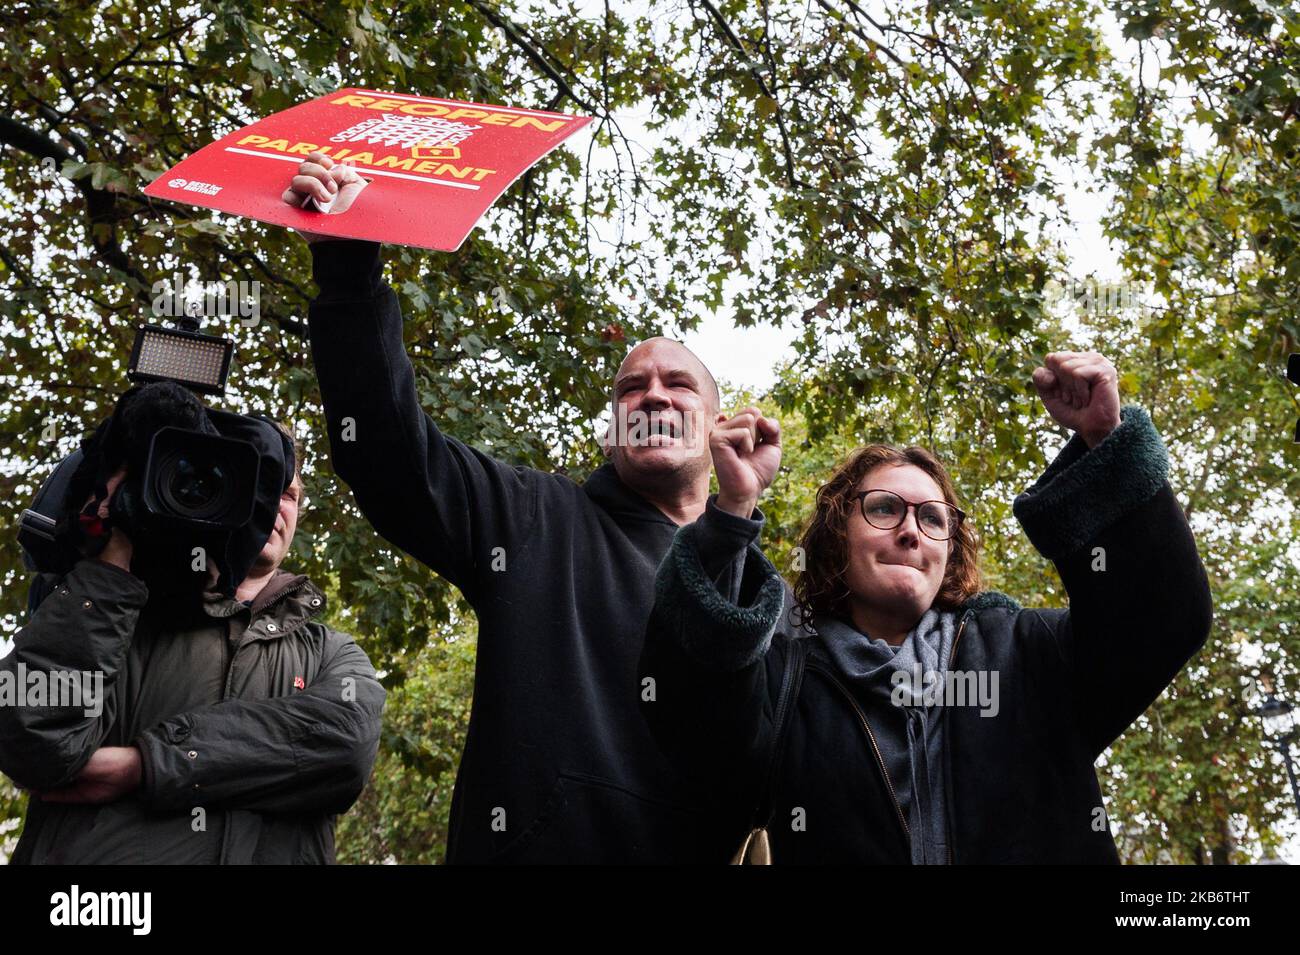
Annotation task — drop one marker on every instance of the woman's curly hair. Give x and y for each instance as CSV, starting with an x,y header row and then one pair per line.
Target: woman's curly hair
x,y
821,587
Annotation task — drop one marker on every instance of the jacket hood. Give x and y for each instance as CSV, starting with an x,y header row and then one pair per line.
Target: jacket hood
x,y
607,489
286,601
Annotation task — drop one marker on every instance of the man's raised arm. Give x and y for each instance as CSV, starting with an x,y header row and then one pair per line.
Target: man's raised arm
x,y
439,500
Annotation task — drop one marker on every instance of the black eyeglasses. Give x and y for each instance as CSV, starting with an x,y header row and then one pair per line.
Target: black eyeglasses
x,y
938,520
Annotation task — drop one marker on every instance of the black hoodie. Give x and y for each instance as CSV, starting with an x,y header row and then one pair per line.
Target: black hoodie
x,y
558,766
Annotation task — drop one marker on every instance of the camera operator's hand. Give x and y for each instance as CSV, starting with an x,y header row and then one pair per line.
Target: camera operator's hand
x,y
746,456
113,772
118,550
322,179
1081,391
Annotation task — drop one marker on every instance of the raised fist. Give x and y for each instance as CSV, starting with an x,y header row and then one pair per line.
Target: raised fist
x,y
1081,391
746,455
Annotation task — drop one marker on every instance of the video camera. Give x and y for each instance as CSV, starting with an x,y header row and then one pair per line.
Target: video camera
x,y
200,484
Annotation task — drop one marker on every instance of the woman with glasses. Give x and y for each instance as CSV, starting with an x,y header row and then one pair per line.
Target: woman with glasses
x,y
889,710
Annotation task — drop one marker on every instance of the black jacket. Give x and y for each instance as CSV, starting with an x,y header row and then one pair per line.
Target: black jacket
x,y
558,764
1021,784
261,718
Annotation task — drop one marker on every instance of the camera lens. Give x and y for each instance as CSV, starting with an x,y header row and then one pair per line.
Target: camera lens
x,y
194,486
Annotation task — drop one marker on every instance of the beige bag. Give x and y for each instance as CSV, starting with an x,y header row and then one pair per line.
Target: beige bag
x,y
755,850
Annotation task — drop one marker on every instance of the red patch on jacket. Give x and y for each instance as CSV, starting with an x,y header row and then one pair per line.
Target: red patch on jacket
x,y
91,524
299,683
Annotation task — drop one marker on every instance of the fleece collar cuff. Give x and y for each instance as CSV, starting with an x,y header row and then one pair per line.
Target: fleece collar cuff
x,y
991,600
715,632
1084,491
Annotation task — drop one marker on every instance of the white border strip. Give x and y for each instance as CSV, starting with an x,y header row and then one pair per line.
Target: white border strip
x,y
360,169
462,104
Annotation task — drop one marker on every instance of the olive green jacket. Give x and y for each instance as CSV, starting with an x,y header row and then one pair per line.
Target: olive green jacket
x,y
256,724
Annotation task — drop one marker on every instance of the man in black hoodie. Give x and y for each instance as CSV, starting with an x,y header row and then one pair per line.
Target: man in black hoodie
x,y
558,765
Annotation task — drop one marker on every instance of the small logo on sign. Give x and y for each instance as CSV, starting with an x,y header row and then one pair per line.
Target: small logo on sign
x,y
299,683
176,183
204,188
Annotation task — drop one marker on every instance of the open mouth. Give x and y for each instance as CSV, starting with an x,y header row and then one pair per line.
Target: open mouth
x,y
663,429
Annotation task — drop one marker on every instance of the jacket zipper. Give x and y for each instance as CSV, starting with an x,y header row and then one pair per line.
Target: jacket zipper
x,y
952,658
871,737
230,675
230,670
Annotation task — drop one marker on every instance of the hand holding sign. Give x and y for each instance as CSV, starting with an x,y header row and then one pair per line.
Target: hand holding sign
x,y
333,187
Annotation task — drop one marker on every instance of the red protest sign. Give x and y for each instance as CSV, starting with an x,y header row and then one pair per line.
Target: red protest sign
x,y
434,165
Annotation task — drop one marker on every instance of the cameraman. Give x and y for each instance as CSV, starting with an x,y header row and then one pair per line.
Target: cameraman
x,y
230,730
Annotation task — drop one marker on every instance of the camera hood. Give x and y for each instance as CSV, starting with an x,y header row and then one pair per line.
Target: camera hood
x,y
49,532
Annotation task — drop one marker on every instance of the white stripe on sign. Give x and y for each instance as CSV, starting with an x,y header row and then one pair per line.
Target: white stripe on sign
x,y
450,102
360,169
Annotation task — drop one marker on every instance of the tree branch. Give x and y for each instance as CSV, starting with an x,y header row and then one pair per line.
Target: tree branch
x,y
100,203
767,91
515,35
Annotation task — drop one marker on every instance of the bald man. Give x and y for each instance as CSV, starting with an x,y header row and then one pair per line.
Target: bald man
x,y
559,765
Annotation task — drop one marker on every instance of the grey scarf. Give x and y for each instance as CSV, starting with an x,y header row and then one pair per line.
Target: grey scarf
x,y
910,735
